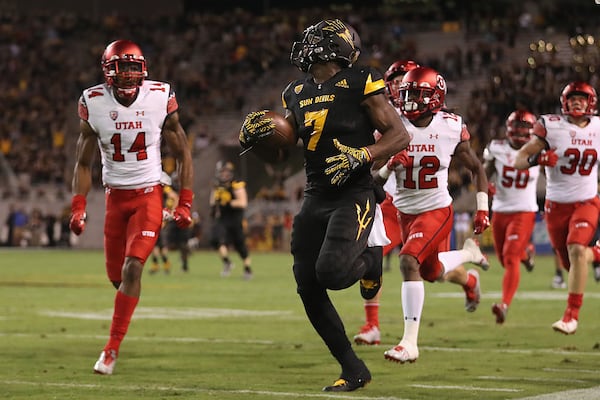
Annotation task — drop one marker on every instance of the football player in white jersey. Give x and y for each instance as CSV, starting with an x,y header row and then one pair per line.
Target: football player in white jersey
x,y
567,146
424,203
369,333
514,203
126,117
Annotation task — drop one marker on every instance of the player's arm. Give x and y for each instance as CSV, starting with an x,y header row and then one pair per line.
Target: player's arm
x,y
87,144
240,196
489,165
394,137
536,150
176,139
467,158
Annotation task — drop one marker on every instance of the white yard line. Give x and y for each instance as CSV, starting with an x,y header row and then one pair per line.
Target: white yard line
x,y
213,392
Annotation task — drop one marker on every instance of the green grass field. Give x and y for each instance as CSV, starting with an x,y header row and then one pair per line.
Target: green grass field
x,y
200,336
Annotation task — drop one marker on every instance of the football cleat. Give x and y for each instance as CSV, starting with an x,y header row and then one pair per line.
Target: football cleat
x,y
477,257
106,362
597,272
350,384
402,353
247,274
500,310
566,327
529,262
472,295
368,335
558,282
227,268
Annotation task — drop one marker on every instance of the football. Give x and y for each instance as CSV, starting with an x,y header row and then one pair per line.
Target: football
x,y
283,137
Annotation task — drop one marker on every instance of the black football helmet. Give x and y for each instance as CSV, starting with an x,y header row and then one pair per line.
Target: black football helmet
x,y
329,40
519,128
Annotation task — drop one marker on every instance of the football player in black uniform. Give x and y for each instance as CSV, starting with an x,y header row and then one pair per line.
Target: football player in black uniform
x,y
334,110
228,200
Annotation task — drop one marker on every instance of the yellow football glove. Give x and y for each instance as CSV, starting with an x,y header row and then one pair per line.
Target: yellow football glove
x,y
342,165
255,128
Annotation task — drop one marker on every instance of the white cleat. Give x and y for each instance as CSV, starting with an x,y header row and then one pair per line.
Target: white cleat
x,y
478,258
558,282
227,268
473,296
368,335
402,353
106,362
568,328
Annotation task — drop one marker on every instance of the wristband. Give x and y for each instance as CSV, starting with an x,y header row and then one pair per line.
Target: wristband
x,y
384,172
186,196
533,159
78,202
482,201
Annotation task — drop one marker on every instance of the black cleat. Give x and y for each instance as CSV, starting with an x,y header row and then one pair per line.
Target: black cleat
x,y
349,385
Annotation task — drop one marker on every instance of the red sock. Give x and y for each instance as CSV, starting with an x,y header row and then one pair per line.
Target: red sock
x,y
124,308
471,282
574,303
372,311
510,281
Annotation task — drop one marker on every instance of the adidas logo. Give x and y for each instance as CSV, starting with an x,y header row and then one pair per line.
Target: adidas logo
x,y
343,84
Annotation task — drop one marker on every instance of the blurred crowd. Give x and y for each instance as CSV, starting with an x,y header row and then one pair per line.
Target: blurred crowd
x,y
215,60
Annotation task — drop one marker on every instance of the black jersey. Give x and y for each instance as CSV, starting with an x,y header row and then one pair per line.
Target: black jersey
x,y
223,194
333,110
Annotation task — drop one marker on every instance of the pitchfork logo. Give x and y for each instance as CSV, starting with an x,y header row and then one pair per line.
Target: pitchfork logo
x,y
113,115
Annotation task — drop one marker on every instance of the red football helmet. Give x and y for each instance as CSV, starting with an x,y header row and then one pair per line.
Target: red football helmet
x,y
124,67
519,127
580,88
399,67
422,91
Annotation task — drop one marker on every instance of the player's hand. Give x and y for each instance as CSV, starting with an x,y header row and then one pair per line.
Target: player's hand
x,y
399,159
342,165
255,128
492,189
481,221
183,212
78,215
547,158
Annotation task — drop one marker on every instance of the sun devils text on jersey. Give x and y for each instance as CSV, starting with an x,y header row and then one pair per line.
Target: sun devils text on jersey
x,y
333,110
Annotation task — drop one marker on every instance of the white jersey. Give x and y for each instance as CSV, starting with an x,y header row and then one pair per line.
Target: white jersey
x,y
575,176
423,185
129,137
516,190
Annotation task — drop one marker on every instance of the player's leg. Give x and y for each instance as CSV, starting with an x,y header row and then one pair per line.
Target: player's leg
x,y
308,235
142,231
344,257
239,243
421,235
582,227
